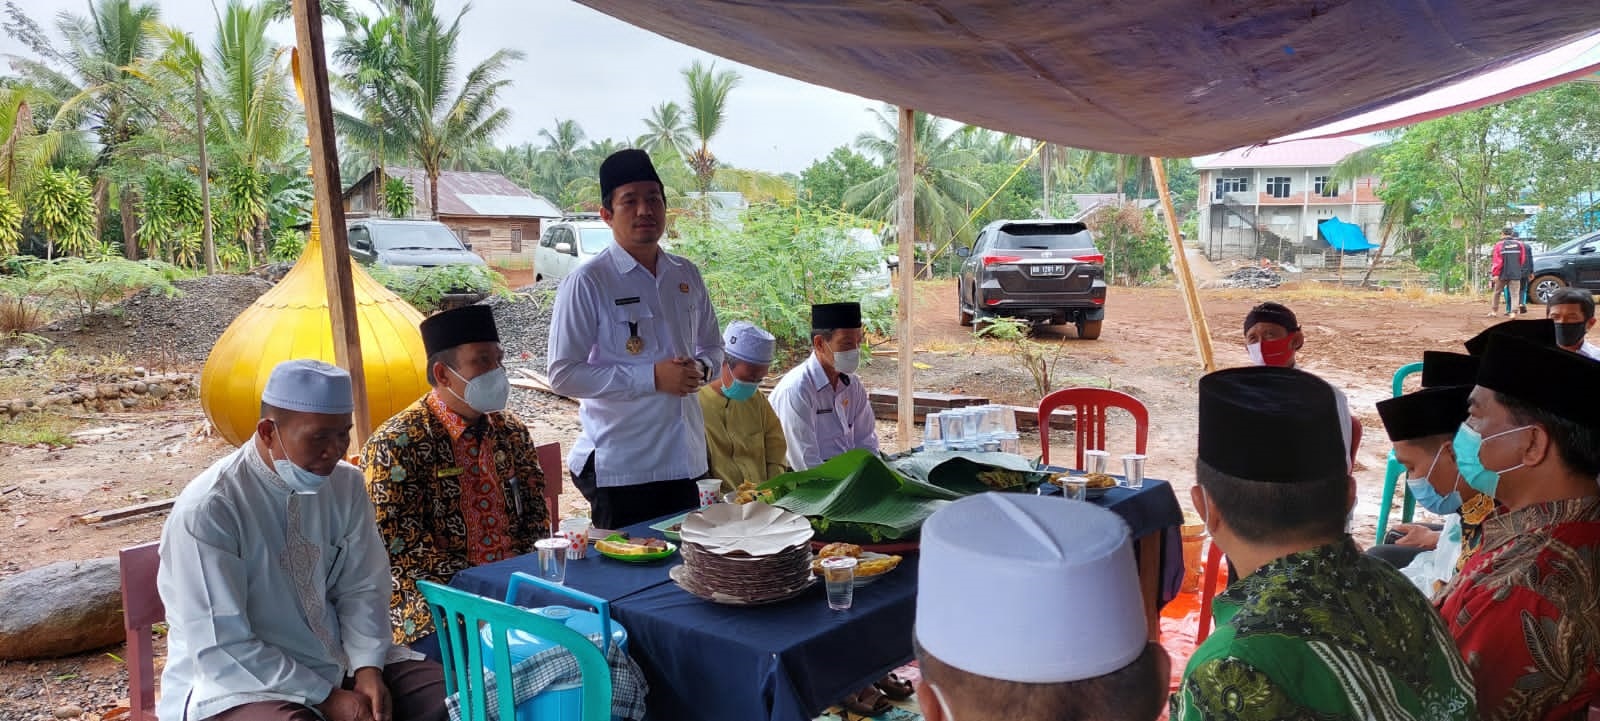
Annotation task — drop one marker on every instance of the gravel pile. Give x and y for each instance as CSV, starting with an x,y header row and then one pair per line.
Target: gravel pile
x,y
1252,277
524,322
151,325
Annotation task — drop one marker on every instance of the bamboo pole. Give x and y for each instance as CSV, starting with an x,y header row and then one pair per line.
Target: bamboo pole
x,y
330,207
1180,259
905,233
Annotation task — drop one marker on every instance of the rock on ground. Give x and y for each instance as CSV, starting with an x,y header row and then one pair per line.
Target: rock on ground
x,y
524,322
60,609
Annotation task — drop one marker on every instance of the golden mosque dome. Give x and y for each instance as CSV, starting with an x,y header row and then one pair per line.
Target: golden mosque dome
x,y
291,321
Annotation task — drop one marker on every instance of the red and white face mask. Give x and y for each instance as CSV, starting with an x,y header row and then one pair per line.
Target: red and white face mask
x,y
1277,352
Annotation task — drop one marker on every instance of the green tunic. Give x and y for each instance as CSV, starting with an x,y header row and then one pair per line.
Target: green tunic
x,y
1327,633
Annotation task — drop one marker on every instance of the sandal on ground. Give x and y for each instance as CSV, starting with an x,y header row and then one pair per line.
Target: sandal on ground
x,y
895,688
866,702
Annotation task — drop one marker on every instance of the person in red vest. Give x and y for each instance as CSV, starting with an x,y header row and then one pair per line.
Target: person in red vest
x,y
1506,262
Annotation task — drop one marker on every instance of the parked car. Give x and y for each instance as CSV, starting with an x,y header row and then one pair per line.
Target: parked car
x,y
1042,271
407,243
1575,263
568,243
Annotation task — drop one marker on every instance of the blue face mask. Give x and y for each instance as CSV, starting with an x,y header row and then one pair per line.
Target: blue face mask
x,y
297,478
1427,497
739,390
1466,444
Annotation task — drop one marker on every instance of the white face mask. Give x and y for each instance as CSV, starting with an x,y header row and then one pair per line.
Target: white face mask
x,y
298,479
1254,349
487,393
847,361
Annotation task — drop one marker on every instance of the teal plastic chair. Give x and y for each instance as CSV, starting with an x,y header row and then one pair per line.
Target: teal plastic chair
x,y
1393,471
459,616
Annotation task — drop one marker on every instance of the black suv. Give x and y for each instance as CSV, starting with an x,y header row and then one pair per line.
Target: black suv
x,y
1043,271
1575,263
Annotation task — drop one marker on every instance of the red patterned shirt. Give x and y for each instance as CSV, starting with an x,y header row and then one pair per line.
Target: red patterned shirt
x,y
482,500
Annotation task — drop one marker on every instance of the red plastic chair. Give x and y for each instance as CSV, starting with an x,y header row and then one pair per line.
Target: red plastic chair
x,y
1090,405
550,462
141,611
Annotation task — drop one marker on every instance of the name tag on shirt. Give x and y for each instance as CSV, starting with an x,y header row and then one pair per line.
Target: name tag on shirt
x,y
824,411
449,472
626,301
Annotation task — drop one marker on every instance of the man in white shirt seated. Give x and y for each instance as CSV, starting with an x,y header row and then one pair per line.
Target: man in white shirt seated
x,y
276,582
1572,309
633,337
822,404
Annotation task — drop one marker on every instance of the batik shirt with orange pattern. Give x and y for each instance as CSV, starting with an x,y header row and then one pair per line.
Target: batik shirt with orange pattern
x,y
449,495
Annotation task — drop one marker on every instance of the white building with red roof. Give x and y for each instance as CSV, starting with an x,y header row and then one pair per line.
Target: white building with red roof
x,y
1266,201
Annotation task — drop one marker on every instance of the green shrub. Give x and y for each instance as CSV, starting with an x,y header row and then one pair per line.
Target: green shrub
x,y
783,260
287,245
425,288
89,284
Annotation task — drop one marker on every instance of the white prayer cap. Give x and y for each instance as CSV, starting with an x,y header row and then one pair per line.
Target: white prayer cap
x,y
744,341
309,386
1032,589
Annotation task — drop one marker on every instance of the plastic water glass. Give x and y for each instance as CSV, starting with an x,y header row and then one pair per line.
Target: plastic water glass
x,y
576,531
839,574
951,426
1075,488
1133,470
1096,461
932,437
553,559
710,489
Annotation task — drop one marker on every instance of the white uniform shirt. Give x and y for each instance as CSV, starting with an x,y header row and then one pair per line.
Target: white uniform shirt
x,y
1589,350
241,559
637,434
820,422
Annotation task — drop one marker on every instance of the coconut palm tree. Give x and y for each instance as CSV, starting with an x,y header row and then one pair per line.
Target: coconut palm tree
x,y
667,130
434,115
91,75
941,187
708,109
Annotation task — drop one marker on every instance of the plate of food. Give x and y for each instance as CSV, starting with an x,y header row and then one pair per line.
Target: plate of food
x,y
638,550
670,528
1096,484
870,566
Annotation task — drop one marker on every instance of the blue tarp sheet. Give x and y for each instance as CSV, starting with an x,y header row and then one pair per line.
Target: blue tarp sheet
x,y
1346,237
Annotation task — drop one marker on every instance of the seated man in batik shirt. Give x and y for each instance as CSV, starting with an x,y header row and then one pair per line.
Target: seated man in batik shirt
x,y
454,478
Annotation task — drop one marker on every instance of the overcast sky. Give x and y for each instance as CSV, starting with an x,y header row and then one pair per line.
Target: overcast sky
x,y
604,73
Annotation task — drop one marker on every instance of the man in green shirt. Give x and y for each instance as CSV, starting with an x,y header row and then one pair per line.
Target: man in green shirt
x,y
1313,629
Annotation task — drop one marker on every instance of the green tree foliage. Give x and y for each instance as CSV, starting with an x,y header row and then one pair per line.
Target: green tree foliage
x,y
941,185
399,198
425,288
708,110
1132,239
784,259
1560,128
824,183
667,130
62,210
170,225
90,284
10,224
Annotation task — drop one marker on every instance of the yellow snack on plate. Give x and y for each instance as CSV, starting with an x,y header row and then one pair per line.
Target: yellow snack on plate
x,y
622,549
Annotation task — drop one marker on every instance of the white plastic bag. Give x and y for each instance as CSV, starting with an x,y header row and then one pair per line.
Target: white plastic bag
x,y
1431,569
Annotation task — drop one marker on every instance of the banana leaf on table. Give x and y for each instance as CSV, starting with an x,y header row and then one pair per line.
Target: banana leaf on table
x,y
856,498
969,472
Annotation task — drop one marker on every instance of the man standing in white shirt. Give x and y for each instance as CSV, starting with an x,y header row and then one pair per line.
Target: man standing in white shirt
x,y
633,337
276,582
1572,310
823,407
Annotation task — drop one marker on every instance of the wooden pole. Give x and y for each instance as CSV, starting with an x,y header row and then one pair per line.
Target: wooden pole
x,y
208,243
1180,259
906,235
330,208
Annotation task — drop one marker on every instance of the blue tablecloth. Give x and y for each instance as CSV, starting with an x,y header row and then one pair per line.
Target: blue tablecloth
x,y
787,661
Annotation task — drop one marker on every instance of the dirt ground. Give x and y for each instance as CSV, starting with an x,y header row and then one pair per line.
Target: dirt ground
x,y
1354,339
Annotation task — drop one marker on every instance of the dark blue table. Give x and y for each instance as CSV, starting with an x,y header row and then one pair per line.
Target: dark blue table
x,y
790,660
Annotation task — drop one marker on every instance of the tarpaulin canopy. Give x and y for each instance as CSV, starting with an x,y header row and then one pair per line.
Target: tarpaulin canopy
x,y
1344,236
1172,78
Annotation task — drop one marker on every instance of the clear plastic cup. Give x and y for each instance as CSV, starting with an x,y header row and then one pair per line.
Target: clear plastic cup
x,y
1011,443
553,559
576,531
710,491
1133,470
1096,461
1075,488
839,574
932,437
952,426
